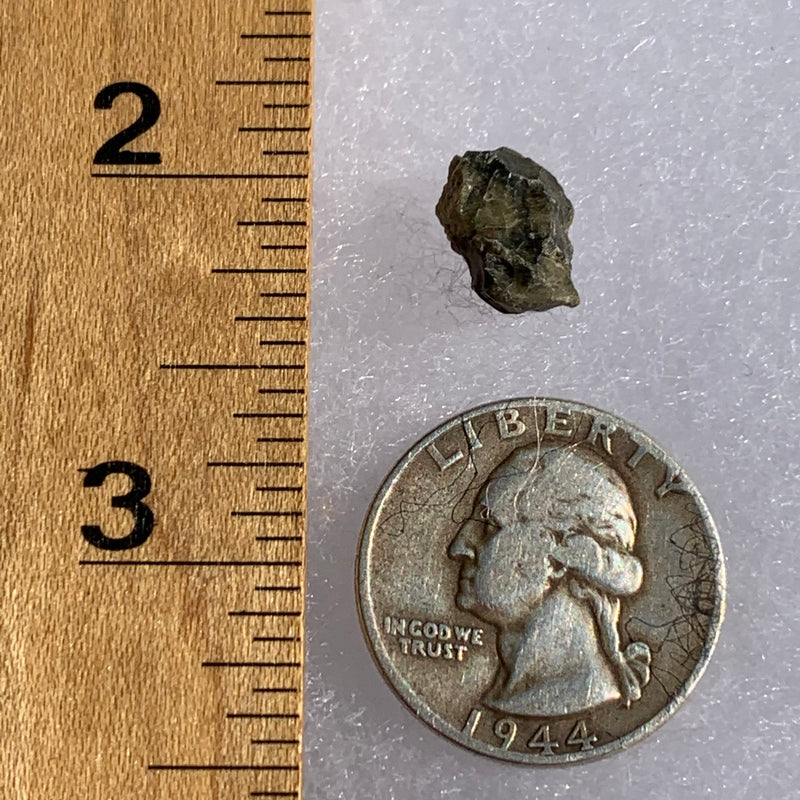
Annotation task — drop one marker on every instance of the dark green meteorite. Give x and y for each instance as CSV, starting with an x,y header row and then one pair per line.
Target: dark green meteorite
x,y
509,218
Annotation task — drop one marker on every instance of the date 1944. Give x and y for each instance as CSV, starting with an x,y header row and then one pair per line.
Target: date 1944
x,y
507,731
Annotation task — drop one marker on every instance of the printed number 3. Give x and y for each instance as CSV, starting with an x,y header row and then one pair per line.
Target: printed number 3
x,y
142,515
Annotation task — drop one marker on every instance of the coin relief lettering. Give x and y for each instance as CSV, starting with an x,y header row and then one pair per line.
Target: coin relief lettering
x,y
559,422
509,425
540,738
472,437
443,462
603,430
637,455
432,639
673,482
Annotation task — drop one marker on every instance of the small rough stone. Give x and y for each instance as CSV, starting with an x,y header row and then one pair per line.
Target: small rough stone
x,y
509,218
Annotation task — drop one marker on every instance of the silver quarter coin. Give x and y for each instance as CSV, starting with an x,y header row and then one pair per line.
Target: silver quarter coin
x,y
540,582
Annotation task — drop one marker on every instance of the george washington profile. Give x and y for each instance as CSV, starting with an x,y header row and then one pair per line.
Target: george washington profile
x,y
545,558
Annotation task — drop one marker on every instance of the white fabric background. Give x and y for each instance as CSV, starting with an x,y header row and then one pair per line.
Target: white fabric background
x,y
673,128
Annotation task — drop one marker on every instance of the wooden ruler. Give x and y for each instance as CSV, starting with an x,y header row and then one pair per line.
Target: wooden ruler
x,y
154,327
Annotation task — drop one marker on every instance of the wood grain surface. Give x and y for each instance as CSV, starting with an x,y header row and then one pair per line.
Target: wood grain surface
x,y
154,314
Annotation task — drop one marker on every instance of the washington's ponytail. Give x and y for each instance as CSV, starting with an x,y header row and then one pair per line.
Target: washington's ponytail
x,y
632,667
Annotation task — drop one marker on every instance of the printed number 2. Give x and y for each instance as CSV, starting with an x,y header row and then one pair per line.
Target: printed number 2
x,y
142,515
111,152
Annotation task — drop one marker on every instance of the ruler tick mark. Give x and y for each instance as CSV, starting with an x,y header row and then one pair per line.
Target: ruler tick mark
x,y
274,741
244,271
268,414
275,690
266,513
283,246
199,176
277,223
269,319
224,768
272,414
282,82
154,563
276,36
279,538
245,715
277,129
276,639
251,664
231,366
263,614
255,464
277,588
273,794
